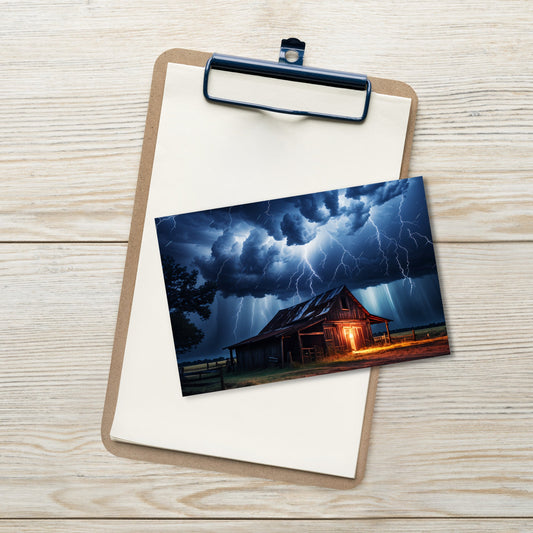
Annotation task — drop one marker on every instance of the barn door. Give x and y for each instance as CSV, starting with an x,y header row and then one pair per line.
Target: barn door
x,y
350,339
354,337
359,337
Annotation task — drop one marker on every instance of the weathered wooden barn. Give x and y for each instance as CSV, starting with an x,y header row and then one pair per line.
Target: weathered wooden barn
x,y
331,322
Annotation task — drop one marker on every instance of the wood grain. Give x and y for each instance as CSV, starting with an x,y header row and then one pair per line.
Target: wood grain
x,y
260,526
77,74
451,436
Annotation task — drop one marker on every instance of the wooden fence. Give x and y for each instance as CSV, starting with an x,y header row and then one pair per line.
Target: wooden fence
x,y
212,379
409,335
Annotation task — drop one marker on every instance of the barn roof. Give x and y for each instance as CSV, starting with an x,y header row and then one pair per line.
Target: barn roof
x,y
315,308
304,315
288,330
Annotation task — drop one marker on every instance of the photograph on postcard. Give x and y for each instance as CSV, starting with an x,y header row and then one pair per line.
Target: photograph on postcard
x,y
302,286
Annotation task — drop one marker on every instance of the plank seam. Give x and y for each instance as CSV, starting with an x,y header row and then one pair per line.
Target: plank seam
x,y
506,241
267,519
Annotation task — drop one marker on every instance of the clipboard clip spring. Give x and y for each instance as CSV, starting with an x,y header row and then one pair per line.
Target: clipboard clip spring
x,y
289,67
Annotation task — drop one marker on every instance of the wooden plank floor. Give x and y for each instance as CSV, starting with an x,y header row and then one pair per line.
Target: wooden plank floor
x,y
452,439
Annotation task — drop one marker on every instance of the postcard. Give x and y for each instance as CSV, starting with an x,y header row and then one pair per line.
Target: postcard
x,y
302,286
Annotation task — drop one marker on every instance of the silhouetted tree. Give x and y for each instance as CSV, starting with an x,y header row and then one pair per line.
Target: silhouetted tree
x,y
185,298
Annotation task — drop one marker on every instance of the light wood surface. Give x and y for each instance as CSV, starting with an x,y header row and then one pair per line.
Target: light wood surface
x,y
262,526
452,439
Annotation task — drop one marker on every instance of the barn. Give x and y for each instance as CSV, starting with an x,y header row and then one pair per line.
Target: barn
x,y
331,322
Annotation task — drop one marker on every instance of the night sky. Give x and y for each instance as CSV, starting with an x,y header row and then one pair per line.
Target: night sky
x,y
375,239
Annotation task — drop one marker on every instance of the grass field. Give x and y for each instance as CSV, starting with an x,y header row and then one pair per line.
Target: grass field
x,y
432,341
377,355
203,366
422,333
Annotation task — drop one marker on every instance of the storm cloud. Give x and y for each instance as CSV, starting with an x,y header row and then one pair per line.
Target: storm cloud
x,y
296,229
361,236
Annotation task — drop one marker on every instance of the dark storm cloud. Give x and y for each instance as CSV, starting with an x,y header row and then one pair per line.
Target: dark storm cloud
x,y
296,229
319,207
366,197
308,243
357,214
255,255
224,245
331,201
225,254
378,193
266,215
279,218
294,218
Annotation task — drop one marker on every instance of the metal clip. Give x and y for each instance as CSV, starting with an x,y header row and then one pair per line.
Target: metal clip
x,y
290,67
292,51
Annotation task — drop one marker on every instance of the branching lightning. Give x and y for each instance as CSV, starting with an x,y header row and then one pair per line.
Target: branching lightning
x,y
380,246
304,266
403,223
415,233
342,264
296,285
404,267
158,222
313,274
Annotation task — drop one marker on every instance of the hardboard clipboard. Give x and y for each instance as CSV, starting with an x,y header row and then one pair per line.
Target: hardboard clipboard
x,y
190,460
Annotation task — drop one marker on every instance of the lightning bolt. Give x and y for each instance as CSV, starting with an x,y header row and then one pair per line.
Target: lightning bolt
x,y
264,314
267,212
293,274
324,257
158,222
378,238
297,287
312,274
237,318
252,317
413,233
173,228
342,264
405,273
299,273
222,267
399,250
381,235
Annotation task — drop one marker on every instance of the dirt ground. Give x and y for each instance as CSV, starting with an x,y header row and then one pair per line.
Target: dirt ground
x,y
406,351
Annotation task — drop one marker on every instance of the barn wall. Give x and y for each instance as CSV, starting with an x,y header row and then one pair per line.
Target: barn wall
x,y
314,341
346,312
255,356
353,311
336,340
292,345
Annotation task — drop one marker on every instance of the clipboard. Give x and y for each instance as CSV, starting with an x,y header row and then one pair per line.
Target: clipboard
x,y
192,460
